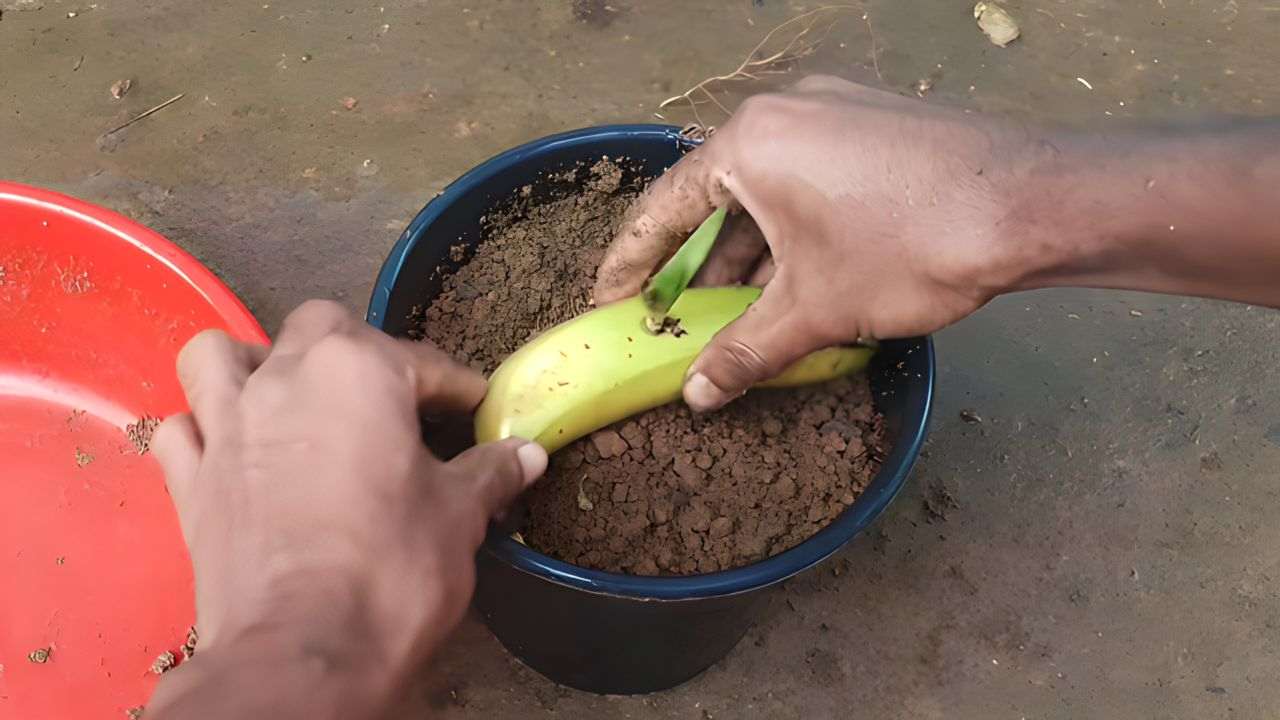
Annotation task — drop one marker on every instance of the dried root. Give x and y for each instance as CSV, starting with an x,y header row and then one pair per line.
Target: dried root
x,y
776,54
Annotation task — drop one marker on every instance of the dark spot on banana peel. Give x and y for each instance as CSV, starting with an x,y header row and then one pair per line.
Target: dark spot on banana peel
x,y
671,325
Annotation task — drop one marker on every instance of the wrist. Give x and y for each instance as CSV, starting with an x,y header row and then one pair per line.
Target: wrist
x,y
1057,219
278,671
339,610
315,644
1025,225
319,656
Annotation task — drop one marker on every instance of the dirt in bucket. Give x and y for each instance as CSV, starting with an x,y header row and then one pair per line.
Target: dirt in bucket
x,y
667,491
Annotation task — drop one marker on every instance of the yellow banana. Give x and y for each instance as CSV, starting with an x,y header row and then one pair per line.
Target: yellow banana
x,y
603,366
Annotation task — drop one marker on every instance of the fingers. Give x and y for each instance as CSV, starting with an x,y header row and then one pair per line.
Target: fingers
x,y
177,447
763,272
736,252
499,471
311,321
755,347
440,382
212,369
661,218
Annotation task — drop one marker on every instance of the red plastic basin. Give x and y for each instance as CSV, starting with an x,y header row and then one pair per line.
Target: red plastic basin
x,y
93,310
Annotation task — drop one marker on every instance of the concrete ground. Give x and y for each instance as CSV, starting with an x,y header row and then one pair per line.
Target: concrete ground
x,y
1102,544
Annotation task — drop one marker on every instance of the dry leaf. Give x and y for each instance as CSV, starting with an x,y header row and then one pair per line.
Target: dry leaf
x,y
998,25
120,87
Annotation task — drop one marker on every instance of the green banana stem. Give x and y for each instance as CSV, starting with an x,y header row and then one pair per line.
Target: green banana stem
x,y
662,290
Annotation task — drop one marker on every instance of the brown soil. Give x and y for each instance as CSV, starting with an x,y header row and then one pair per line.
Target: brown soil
x,y
668,491
83,458
164,662
140,433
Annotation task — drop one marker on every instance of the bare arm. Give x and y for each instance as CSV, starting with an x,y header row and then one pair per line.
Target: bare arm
x,y
866,214
1188,211
332,551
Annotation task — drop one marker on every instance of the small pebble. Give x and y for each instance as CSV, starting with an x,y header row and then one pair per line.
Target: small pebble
x,y
608,443
634,435
691,476
721,527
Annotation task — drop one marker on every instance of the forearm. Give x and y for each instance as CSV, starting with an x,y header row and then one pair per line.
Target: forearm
x,y
1192,212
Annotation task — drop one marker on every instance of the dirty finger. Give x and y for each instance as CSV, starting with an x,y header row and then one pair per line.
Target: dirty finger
x,y
670,209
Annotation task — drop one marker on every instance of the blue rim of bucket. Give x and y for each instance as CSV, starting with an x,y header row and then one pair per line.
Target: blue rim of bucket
x,y
686,587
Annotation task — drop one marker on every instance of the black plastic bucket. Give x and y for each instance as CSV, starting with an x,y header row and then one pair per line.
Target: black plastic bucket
x,y
599,631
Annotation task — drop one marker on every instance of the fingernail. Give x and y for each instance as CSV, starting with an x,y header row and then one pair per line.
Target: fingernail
x,y
702,395
533,461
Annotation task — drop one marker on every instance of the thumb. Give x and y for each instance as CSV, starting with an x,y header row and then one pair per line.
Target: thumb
x,y
499,471
759,345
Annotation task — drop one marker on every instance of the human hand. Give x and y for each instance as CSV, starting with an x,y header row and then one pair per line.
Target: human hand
x,y
867,215
323,533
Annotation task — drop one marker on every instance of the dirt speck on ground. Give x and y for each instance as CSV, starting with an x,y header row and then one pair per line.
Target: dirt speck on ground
x,y
600,13
938,501
668,491
120,88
